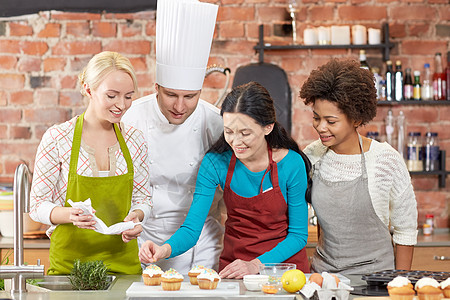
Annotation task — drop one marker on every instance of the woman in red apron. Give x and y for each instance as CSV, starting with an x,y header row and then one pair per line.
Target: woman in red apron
x,y
264,178
92,157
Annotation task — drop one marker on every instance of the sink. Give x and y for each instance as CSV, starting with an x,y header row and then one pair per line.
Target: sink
x,y
62,283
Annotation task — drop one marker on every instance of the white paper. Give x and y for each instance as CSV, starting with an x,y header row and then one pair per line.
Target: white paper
x,y
100,226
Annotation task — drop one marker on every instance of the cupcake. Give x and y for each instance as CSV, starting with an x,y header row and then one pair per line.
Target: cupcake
x,y
194,272
171,280
400,288
208,279
152,275
445,286
428,289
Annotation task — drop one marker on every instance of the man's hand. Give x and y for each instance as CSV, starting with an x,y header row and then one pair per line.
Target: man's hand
x,y
150,252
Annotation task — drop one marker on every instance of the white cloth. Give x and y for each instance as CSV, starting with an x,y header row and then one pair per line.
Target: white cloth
x,y
100,226
175,153
184,33
390,185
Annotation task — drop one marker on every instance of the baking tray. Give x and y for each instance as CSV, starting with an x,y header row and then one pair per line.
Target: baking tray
x,y
383,277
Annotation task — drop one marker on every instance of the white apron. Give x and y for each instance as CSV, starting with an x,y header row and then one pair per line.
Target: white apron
x,y
353,239
175,153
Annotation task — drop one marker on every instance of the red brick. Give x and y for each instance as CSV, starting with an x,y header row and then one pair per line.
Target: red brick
x,y
209,94
350,13
50,115
233,2
244,48
3,132
20,29
46,97
397,30
20,132
413,13
78,29
77,47
235,13
139,64
21,98
129,46
69,82
7,62
78,63
3,98
142,15
150,29
231,29
321,13
19,152
57,15
11,81
104,29
415,47
215,80
70,99
444,13
50,30
10,115
145,80
291,64
271,14
130,30
23,47
54,64
419,30
29,64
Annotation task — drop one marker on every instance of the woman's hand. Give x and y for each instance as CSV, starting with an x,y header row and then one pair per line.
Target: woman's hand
x,y
238,268
79,220
150,252
132,234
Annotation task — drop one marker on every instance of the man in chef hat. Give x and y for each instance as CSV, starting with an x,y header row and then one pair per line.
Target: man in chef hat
x,y
180,128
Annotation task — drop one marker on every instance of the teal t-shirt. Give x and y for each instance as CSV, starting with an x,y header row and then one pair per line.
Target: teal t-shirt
x,y
213,172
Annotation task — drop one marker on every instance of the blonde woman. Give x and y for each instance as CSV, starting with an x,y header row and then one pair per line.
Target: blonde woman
x,y
94,156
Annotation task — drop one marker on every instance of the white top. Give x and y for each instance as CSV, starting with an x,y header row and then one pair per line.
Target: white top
x,y
445,283
427,281
399,281
390,185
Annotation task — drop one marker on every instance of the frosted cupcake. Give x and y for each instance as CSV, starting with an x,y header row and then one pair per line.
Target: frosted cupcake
x,y
445,286
428,289
171,280
152,275
194,272
400,288
208,279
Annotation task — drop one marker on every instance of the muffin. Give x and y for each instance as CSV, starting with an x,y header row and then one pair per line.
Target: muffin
x,y
152,275
445,286
208,279
428,289
400,288
171,280
194,272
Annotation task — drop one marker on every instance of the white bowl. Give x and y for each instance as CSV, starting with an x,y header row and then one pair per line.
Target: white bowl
x,y
254,282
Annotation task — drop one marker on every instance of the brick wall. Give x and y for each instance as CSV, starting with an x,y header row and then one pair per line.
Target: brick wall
x,y
42,54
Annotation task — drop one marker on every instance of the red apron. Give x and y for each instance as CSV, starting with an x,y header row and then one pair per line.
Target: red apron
x,y
257,224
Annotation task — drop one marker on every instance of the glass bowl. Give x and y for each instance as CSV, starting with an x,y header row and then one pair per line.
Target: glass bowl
x,y
271,287
275,270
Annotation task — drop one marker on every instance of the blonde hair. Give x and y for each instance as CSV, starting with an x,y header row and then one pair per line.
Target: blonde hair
x,y
100,66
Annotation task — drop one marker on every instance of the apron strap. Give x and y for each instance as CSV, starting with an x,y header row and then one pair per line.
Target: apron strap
x,y
230,170
124,148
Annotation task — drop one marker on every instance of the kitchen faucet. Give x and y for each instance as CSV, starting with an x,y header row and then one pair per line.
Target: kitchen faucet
x,y
18,272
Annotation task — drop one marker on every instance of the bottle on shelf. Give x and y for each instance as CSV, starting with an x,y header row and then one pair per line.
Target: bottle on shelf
x,y
426,91
363,60
401,134
390,128
429,224
431,150
414,158
416,85
398,81
447,72
439,79
389,81
408,88
377,80
382,94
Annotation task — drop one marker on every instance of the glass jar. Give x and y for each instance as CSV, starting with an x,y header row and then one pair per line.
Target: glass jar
x,y
431,152
429,224
414,157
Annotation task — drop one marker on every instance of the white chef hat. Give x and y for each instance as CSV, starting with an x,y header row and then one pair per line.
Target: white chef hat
x,y
184,32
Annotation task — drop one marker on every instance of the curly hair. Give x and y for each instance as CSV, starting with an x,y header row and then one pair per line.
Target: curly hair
x,y
346,84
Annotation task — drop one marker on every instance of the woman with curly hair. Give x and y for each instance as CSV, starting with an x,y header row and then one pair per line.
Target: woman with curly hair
x,y
360,187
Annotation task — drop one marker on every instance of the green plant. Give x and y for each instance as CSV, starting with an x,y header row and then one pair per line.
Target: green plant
x,y
90,275
4,261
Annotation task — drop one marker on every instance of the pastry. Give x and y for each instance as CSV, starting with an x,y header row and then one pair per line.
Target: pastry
x,y
194,272
445,286
152,275
400,288
171,280
208,279
428,289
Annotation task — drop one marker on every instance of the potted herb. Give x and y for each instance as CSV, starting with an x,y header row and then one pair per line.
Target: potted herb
x,y
90,275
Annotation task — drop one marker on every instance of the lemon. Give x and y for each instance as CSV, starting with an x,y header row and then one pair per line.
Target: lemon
x,y
293,280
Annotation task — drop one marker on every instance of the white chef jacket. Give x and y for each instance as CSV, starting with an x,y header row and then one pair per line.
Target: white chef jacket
x,y
174,154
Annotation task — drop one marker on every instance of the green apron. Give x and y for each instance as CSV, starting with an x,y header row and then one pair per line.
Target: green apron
x,y
111,198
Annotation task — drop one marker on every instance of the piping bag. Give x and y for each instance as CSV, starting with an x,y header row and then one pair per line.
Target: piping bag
x,y
100,226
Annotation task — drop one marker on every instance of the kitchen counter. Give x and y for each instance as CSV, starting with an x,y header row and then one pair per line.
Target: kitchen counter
x,y
119,288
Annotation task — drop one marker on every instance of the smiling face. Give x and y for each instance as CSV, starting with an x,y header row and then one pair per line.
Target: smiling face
x,y
335,129
113,96
245,136
177,105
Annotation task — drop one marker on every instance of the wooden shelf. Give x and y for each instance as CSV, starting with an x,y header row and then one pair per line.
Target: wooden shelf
x,y
442,173
413,102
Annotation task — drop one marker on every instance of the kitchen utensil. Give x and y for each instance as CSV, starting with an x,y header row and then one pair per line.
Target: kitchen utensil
x,y
254,282
275,270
